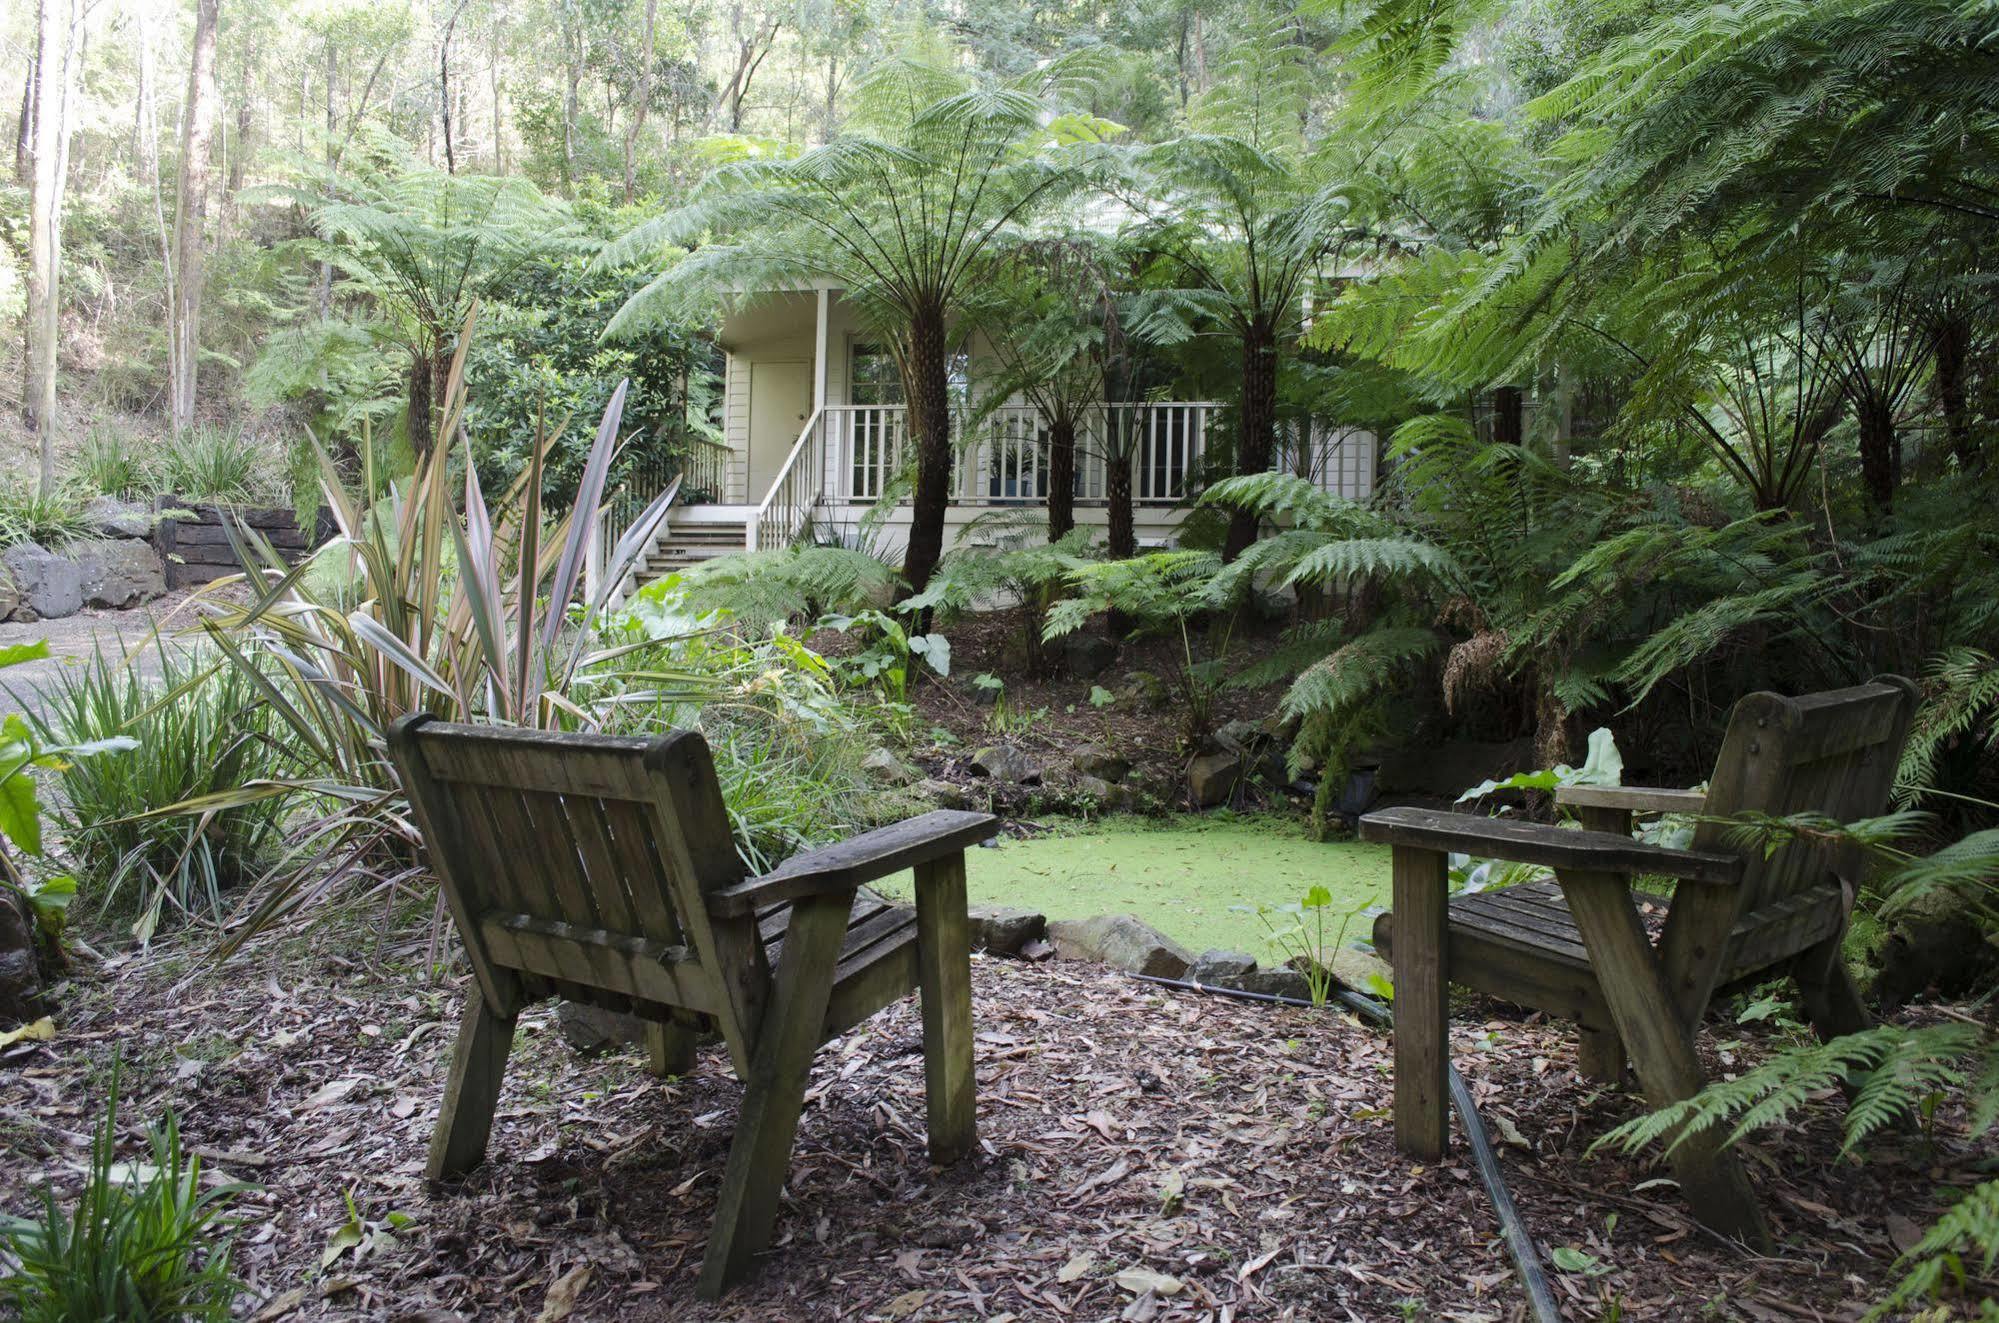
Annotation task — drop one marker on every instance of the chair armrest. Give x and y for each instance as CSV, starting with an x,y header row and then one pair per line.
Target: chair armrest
x,y
845,865
1536,843
1638,799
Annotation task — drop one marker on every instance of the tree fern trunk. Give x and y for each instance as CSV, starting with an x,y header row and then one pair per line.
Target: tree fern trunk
x,y
1061,477
1117,496
1952,347
929,391
1257,428
1880,451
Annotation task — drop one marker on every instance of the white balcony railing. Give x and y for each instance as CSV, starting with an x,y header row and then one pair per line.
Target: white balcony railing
x,y
1006,458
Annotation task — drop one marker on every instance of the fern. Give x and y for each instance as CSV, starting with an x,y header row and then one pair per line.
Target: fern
x,y
1962,1243
764,589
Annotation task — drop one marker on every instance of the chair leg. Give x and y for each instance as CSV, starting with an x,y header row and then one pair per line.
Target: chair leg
x,y
944,971
794,1024
1662,1049
478,1062
1422,1003
670,1049
1600,1055
1832,999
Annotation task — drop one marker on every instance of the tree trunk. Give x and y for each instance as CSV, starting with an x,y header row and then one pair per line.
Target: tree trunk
x,y
1256,434
322,290
572,39
24,128
430,368
191,214
1061,476
45,188
493,75
444,85
637,126
1117,499
929,390
1952,348
1880,451
1509,415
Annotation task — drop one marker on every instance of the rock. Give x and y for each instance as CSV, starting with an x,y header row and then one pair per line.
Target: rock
x,y
1212,777
10,596
1098,761
120,572
113,518
1363,971
1239,736
1088,655
1146,689
1221,968
1038,949
592,1030
1104,795
1276,983
1122,942
20,961
1934,946
888,769
1003,762
1004,930
51,586
944,794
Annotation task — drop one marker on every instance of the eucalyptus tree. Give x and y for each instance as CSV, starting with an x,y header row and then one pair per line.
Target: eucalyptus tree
x,y
904,212
1236,224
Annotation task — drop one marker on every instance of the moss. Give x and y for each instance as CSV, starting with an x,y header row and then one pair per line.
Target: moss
x,y
1184,877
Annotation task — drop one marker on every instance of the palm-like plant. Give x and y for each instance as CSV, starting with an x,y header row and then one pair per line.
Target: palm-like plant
x,y
1237,226
903,213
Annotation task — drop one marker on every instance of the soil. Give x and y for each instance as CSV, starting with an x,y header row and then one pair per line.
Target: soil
x,y
72,638
1049,713
1240,1151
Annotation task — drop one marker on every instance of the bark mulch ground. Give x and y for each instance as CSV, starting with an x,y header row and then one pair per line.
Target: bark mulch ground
x,y
1146,1155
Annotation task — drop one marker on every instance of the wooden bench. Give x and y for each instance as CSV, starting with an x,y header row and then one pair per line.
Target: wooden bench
x,y
602,869
1579,948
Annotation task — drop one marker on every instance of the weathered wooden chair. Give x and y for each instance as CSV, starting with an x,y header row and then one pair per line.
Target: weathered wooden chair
x,y
602,869
1577,947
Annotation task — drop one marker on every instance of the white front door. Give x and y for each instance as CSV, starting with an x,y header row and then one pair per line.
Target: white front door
x,y
780,402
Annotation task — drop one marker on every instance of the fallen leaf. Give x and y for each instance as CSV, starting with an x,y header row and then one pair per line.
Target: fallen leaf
x,y
907,1303
1904,1232
1140,1280
1075,1268
35,1031
561,1300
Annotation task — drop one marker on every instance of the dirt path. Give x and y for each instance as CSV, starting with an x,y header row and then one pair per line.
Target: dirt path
x,y
76,638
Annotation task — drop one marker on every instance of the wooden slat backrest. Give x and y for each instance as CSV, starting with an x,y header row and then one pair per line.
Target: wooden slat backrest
x,y
597,833
1832,753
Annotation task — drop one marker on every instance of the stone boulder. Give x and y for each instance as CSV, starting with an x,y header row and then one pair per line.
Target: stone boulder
x,y
1284,982
20,961
113,518
1101,794
50,586
1098,761
591,1030
1005,931
10,596
1088,655
944,794
888,769
1220,969
120,572
1122,942
1212,778
1003,762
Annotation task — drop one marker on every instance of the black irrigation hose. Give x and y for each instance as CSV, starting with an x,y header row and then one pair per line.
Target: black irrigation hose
x,y
1540,1298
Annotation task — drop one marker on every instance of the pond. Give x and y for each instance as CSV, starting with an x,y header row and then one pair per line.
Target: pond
x,y
1187,877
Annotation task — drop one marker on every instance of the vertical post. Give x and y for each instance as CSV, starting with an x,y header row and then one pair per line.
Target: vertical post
x,y
819,352
943,965
1422,1003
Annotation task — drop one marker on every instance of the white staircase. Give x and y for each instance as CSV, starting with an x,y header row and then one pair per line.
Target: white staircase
x,y
692,534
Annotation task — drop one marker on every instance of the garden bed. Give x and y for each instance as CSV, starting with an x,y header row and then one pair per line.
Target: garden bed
x,y
1243,1153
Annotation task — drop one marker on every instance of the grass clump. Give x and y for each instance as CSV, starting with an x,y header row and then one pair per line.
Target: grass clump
x,y
54,520
201,729
216,464
143,1243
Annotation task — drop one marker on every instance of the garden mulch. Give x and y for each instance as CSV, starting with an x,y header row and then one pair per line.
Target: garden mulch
x,y
1145,1154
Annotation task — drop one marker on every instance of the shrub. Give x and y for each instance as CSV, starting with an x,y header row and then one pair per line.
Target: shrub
x,y
219,464
202,729
26,515
110,464
141,1243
